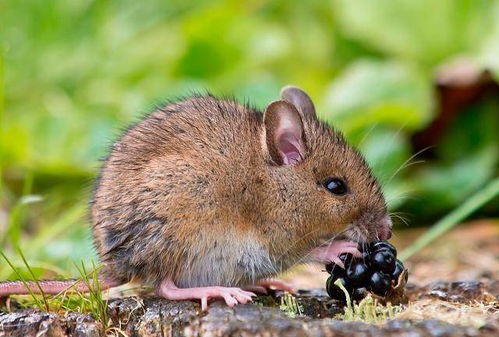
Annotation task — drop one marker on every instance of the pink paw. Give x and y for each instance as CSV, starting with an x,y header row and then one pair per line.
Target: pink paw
x,y
332,251
231,296
276,284
271,283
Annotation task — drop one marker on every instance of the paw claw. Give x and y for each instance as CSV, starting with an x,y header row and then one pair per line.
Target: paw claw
x,y
336,260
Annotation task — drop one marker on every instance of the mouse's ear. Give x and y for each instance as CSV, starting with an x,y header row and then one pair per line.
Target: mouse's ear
x,y
300,100
284,135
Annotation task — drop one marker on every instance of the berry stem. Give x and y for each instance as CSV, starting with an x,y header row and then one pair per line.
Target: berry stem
x,y
453,218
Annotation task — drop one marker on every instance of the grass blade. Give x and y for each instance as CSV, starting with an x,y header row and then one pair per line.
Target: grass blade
x,y
453,218
21,278
97,305
35,280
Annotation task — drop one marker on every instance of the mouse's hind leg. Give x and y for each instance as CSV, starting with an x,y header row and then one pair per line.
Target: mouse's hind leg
x,y
231,296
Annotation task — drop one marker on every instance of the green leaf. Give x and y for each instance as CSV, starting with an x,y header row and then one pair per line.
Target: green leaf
x,y
388,154
440,187
425,31
473,129
374,92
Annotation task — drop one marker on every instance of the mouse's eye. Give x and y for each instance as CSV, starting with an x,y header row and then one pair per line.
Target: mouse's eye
x,y
335,186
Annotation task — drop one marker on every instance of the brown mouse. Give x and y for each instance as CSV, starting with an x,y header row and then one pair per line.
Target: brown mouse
x,y
206,197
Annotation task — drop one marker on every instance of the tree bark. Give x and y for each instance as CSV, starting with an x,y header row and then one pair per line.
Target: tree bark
x,y
152,317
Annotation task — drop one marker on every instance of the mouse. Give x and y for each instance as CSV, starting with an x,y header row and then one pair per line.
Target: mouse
x,y
207,198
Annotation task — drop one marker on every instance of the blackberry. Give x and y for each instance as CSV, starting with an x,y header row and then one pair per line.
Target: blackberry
x,y
334,291
379,283
357,274
383,260
335,270
377,271
358,294
382,245
399,268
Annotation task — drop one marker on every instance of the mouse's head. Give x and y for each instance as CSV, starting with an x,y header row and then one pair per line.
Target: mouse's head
x,y
325,184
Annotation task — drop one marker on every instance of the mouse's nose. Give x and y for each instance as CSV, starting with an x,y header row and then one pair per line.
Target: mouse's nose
x,y
386,235
385,232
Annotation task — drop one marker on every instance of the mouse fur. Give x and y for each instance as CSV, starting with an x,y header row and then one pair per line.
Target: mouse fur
x,y
196,192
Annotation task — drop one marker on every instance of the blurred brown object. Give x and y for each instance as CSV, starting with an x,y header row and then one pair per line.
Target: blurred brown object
x,y
458,85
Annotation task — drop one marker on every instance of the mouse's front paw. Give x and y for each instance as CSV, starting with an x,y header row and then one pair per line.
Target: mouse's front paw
x,y
270,283
332,251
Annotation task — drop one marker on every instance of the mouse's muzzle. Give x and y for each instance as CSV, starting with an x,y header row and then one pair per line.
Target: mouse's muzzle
x,y
385,229
371,226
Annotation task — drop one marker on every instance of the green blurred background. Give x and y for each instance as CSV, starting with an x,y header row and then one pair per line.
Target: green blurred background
x,y
385,72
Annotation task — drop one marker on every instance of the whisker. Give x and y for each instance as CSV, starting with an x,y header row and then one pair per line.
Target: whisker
x,y
402,195
395,135
367,134
296,243
404,164
404,220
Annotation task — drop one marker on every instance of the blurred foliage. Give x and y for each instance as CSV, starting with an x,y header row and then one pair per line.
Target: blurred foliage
x,y
74,72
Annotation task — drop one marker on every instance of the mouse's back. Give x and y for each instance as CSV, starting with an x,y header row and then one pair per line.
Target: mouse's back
x,y
172,171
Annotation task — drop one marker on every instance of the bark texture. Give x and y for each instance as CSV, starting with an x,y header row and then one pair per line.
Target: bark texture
x,y
151,316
